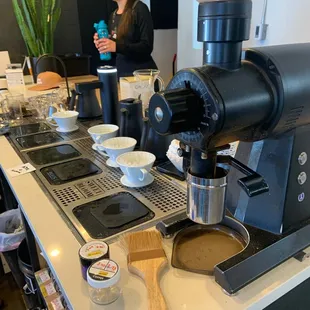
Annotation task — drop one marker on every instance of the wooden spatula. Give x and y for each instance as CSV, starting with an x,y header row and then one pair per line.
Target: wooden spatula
x,y
146,258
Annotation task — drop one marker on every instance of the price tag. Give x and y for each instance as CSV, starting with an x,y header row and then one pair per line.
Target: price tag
x,y
20,170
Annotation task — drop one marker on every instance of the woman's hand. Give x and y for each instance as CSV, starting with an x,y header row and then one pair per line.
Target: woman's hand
x,y
106,46
96,40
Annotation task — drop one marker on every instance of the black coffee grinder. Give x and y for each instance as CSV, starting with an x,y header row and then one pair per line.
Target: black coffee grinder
x,y
263,100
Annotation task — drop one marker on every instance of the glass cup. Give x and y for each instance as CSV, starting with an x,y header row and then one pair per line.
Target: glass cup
x,y
14,104
62,98
145,87
4,117
41,105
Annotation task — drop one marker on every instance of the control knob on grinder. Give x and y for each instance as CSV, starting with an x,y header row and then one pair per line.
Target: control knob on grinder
x,y
175,111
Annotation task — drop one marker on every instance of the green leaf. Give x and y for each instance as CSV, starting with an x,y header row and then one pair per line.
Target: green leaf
x,y
28,19
37,20
26,33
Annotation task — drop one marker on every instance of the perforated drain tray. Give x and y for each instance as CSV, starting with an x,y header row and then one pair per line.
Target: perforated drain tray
x,y
162,198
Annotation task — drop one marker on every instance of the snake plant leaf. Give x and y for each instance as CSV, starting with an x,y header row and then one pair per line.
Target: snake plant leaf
x,y
33,15
26,33
37,20
28,19
54,22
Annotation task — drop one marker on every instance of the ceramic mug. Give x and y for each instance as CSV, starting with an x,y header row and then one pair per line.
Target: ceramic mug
x,y
100,133
136,166
65,120
115,147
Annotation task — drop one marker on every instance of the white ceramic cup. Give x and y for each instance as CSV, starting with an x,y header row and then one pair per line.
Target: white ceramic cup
x,y
65,120
115,147
100,133
136,166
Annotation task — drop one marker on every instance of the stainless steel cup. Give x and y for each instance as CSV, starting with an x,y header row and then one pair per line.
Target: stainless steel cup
x,y
206,198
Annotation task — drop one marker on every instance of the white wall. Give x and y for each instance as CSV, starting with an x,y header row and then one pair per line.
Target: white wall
x,y
289,22
165,46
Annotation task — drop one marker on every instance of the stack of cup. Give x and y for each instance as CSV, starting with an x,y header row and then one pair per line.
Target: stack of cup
x,y
136,166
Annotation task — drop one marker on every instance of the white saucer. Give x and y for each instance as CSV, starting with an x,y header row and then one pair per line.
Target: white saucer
x,y
94,147
75,128
127,183
101,152
112,163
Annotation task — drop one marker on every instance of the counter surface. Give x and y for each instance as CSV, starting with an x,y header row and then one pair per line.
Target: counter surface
x,y
182,290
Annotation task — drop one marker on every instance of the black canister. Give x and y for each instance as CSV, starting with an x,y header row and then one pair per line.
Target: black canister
x,y
153,142
131,122
92,252
109,94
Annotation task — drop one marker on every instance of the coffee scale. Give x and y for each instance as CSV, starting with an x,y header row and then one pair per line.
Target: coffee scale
x,y
259,97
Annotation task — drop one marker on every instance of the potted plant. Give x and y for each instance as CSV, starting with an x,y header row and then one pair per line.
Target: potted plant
x,y
37,21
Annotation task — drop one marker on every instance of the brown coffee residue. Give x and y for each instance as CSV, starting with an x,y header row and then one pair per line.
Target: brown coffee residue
x,y
202,250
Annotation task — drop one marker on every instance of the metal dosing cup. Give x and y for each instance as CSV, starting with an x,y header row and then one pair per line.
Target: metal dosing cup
x,y
206,198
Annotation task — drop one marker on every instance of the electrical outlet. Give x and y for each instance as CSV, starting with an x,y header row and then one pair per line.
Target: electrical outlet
x,y
261,32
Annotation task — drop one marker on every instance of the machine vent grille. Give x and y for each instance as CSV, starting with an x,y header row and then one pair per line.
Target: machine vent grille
x,y
110,181
164,197
67,195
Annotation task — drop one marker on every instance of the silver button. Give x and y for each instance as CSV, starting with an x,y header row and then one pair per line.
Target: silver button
x,y
302,159
159,114
302,178
301,197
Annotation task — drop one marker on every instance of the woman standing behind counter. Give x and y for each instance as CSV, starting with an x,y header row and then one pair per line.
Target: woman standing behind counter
x,y
131,37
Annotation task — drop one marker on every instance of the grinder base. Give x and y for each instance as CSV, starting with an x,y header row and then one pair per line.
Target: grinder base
x,y
263,252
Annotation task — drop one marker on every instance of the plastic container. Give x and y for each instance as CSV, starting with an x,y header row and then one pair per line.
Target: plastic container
x,y
103,33
92,252
103,282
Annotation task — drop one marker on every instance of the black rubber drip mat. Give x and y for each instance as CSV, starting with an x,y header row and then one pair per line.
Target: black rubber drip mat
x,y
39,140
200,248
29,129
111,215
53,154
70,171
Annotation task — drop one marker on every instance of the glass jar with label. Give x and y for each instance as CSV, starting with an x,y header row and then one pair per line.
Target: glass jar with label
x,y
92,252
103,282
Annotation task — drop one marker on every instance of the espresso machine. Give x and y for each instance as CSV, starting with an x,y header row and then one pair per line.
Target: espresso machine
x,y
260,97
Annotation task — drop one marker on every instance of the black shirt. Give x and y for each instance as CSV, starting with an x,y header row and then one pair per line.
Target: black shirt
x,y
134,51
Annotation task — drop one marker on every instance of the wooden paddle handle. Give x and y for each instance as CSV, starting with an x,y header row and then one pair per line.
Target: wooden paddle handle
x,y
155,297
149,271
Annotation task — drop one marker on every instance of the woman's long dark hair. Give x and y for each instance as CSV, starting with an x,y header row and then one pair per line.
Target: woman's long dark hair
x,y
126,20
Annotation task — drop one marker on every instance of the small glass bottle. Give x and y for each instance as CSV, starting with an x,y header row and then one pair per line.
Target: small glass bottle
x,y
103,279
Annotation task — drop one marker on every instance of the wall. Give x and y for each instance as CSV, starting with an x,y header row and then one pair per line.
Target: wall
x,y
165,46
67,36
288,23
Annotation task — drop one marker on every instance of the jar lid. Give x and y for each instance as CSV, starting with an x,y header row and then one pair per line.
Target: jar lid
x,y
103,274
93,250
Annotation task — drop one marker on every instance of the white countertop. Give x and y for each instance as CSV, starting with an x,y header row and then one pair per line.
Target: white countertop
x,y
181,289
